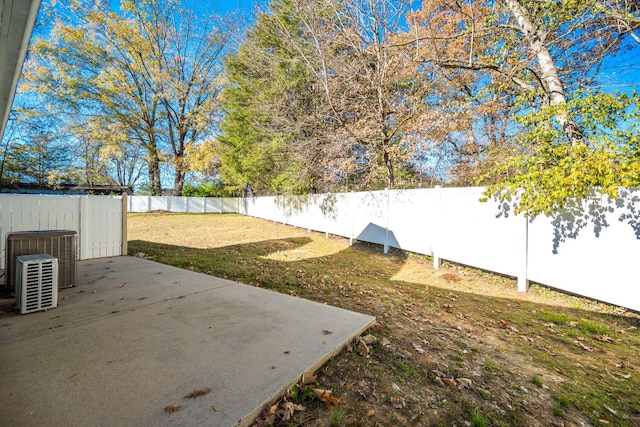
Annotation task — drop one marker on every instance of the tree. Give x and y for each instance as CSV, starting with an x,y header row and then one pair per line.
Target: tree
x,y
187,51
270,111
337,104
149,69
545,54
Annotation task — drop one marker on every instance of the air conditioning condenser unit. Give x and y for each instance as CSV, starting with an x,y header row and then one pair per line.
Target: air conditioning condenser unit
x,y
62,244
36,282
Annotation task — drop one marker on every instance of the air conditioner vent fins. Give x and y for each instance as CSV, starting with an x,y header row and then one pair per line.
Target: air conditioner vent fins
x,y
37,283
61,244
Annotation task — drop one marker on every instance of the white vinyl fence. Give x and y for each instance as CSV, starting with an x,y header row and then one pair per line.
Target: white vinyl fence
x,y
183,204
98,220
451,224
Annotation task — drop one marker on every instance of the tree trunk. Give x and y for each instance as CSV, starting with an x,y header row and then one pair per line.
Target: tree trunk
x,y
180,172
555,90
153,162
388,163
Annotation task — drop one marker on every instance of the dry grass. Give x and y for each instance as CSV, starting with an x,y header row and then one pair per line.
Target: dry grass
x,y
456,346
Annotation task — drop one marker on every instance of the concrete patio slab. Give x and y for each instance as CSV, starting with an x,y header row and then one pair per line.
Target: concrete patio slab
x,y
136,336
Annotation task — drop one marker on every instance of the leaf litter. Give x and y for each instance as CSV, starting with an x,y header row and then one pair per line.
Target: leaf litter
x,y
198,393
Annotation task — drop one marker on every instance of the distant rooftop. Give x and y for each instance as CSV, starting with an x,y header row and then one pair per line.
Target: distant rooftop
x,y
30,188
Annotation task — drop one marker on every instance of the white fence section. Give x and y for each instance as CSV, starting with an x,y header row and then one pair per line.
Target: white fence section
x,y
451,224
98,220
183,204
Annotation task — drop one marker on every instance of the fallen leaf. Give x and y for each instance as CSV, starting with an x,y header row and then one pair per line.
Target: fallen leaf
x,y
526,338
418,348
214,408
286,410
369,339
306,380
503,324
371,413
172,408
327,332
450,381
464,383
363,349
197,393
603,338
582,346
328,399
268,416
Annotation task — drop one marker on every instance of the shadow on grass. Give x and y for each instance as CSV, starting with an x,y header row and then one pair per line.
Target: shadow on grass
x,y
360,264
583,346
253,263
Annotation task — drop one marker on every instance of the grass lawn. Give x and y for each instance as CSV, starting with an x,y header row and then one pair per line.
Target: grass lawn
x,y
453,346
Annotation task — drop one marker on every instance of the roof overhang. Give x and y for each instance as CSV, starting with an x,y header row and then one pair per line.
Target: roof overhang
x,y
17,19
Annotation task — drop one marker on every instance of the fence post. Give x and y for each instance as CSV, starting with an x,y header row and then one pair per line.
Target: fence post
x,y
326,220
437,261
523,282
386,226
353,217
84,228
123,237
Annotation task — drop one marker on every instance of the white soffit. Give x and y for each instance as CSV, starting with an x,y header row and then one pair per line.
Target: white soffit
x,y
17,19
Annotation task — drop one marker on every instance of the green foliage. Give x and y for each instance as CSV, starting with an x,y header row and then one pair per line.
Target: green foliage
x,y
477,420
562,400
311,107
336,416
537,380
205,189
37,161
557,318
556,175
253,153
557,410
592,327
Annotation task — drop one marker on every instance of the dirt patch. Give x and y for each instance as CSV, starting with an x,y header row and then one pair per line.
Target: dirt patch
x,y
453,346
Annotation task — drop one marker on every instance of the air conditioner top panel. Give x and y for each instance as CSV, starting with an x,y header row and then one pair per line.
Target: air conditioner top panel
x,y
41,233
36,257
